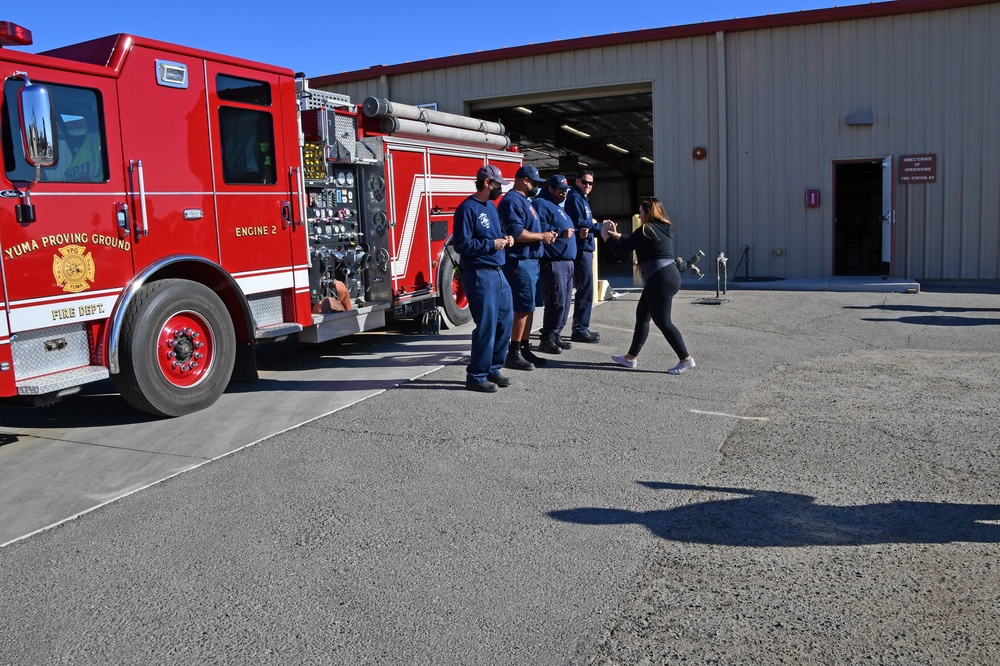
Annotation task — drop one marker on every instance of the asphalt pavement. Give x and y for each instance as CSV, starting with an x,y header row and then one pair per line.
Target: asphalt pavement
x,y
820,489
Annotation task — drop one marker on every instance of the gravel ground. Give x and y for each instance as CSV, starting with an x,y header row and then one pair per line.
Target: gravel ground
x,y
853,516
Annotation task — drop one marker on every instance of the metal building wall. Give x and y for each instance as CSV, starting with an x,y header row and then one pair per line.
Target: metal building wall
x,y
931,79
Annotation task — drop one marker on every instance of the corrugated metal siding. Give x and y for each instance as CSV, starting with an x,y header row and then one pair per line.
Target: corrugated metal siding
x,y
932,82
931,79
684,99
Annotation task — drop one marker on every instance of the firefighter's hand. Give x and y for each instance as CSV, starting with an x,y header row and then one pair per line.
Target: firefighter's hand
x,y
567,233
500,243
510,241
549,237
584,232
608,228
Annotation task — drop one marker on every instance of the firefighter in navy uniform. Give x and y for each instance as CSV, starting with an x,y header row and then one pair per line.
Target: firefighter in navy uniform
x,y
480,242
520,221
556,264
578,209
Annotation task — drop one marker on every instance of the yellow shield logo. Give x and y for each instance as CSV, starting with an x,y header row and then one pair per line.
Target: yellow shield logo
x,y
73,268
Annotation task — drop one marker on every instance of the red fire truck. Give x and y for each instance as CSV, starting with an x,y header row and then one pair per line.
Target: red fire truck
x,y
164,209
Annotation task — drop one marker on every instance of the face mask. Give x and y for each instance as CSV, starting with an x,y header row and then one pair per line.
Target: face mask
x,y
495,193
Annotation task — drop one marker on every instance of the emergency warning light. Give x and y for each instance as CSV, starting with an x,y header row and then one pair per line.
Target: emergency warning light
x,y
11,34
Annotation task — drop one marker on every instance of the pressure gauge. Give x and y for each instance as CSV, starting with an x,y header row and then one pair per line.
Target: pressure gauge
x,y
341,178
350,179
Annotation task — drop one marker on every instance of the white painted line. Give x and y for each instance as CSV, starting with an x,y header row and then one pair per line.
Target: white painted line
x,y
731,416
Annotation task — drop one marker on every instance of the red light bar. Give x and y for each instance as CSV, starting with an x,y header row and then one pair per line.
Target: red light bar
x,y
11,34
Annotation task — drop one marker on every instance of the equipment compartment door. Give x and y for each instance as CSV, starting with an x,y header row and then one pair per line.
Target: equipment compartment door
x,y
410,187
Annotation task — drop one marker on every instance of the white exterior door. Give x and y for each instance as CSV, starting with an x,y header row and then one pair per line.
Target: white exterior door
x,y
888,216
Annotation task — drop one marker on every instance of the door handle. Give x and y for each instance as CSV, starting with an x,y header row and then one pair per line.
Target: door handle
x,y
121,215
287,219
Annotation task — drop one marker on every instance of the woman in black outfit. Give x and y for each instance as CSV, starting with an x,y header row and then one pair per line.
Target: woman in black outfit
x,y
653,244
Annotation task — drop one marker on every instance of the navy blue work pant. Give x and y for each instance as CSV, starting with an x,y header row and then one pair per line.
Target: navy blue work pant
x,y
557,286
583,280
490,305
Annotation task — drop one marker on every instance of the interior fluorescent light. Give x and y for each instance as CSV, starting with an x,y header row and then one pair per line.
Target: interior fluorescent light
x,y
523,109
540,152
646,159
573,130
617,148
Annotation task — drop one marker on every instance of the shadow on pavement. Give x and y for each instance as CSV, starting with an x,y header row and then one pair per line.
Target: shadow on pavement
x,y
931,316
917,308
763,519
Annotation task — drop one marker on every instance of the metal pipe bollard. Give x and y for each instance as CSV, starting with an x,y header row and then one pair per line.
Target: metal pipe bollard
x,y
720,267
721,280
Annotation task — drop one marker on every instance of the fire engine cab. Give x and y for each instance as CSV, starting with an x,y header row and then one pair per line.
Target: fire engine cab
x,y
164,209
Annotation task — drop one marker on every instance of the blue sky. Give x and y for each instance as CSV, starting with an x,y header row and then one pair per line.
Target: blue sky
x,y
324,37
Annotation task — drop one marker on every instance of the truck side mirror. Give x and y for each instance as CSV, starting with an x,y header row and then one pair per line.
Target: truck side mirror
x,y
38,125
38,132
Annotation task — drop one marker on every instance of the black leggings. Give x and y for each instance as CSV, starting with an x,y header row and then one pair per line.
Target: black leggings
x,y
657,297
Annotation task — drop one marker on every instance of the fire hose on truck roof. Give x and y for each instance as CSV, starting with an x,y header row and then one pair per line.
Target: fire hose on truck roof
x,y
405,119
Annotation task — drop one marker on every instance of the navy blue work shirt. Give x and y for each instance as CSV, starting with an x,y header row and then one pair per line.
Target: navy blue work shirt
x,y
476,225
578,209
554,218
516,217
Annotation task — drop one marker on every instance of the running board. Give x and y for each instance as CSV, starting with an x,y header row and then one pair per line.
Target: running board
x,y
341,324
58,381
277,330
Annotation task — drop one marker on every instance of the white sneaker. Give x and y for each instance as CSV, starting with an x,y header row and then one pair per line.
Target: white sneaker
x,y
683,366
625,362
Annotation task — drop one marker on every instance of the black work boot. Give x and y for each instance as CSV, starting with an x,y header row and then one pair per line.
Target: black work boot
x,y
515,361
529,355
564,344
548,344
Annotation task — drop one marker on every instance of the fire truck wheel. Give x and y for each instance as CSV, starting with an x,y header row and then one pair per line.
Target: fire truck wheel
x,y
177,348
454,304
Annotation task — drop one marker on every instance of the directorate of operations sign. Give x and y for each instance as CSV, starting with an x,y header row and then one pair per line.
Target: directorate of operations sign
x,y
918,168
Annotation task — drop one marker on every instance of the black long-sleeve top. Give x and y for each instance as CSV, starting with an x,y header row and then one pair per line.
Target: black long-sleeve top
x,y
652,242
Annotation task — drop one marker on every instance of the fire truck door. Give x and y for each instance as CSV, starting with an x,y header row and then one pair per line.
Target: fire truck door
x,y
257,176
164,131
410,185
68,265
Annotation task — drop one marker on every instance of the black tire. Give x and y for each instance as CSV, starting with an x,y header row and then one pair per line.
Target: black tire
x,y
454,304
177,348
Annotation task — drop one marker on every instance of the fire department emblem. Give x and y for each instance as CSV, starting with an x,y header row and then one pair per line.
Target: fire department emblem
x,y
73,268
